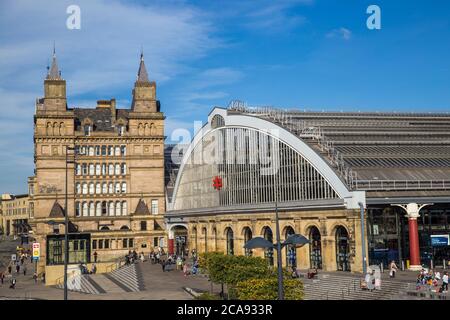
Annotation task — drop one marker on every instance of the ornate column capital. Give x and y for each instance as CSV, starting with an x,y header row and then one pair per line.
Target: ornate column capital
x,y
412,209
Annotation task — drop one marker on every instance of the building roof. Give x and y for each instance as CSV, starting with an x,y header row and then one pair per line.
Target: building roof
x,y
372,150
54,73
101,117
142,75
141,208
57,211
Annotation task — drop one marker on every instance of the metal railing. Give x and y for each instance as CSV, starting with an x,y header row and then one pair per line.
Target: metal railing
x,y
401,185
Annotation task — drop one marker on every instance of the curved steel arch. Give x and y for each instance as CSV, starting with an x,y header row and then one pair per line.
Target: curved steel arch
x,y
284,136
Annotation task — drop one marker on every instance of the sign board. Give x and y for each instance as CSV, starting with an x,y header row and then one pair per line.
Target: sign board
x,y
440,240
36,250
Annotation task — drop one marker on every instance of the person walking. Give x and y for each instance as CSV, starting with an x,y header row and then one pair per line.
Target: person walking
x,y
445,282
35,277
185,270
17,268
163,265
13,283
24,270
95,256
393,269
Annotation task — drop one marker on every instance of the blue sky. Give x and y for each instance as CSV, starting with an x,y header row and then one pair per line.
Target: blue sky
x,y
308,54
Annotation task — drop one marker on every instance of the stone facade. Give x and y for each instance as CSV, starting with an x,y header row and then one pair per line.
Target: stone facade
x,y
115,161
14,214
209,233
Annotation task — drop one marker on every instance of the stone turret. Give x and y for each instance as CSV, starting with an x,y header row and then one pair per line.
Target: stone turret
x,y
144,92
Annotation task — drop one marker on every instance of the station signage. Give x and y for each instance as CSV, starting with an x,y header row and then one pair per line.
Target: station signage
x,y
36,250
440,240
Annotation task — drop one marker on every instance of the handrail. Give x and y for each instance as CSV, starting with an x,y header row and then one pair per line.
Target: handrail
x,y
401,184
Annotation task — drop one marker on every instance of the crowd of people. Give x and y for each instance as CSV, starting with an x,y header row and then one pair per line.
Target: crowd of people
x,y
433,281
167,261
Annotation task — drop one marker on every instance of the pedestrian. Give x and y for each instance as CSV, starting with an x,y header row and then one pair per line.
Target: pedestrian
x,y
95,256
163,265
9,269
35,277
370,280
43,277
185,270
437,276
13,283
17,268
393,269
445,282
24,270
142,257
2,277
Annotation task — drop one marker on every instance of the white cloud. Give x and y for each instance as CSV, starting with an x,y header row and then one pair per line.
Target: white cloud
x,y
342,33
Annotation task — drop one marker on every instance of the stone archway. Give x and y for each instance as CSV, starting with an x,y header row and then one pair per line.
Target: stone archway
x,y
342,249
315,248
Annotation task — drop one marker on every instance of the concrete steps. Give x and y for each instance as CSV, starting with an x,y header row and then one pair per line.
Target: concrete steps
x,y
125,279
337,287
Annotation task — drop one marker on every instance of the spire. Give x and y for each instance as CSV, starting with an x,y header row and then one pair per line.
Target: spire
x,y
142,73
54,73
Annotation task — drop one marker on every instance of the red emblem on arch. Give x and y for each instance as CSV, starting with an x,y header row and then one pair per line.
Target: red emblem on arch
x,y
217,183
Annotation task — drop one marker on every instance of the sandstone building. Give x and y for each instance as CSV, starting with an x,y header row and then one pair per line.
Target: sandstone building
x,y
114,163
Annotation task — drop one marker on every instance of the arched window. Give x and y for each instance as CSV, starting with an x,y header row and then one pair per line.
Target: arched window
x,y
146,130
78,169
248,235
84,169
91,169
117,169
104,208
77,208
91,188
91,208
91,150
87,130
342,249
230,241
103,150
291,251
104,169
123,150
118,208
98,188
117,151
124,228
98,169
315,248
104,188
124,208
104,228
62,129
117,190
55,129
111,169
268,253
98,210
111,188
97,150
152,129
124,187
111,208
85,188
123,168
85,209
140,129
49,129
110,150
78,187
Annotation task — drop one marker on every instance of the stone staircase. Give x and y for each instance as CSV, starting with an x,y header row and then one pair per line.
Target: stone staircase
x,y
340,287
125,279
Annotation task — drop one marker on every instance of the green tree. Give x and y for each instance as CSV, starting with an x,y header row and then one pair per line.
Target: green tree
x,y
267,289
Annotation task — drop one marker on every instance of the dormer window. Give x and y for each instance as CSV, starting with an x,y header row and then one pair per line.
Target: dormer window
x,y
87,130
121,130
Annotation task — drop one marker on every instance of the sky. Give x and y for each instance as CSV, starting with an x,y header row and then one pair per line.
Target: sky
x,y
308,54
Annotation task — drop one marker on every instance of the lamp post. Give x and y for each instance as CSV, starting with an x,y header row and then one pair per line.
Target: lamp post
x,y
363,239
66,223
280,269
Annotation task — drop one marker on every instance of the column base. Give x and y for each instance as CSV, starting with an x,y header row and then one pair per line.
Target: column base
x,y
415,267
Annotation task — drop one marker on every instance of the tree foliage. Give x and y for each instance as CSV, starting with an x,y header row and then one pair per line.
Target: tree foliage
x,y
248,277
267,289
